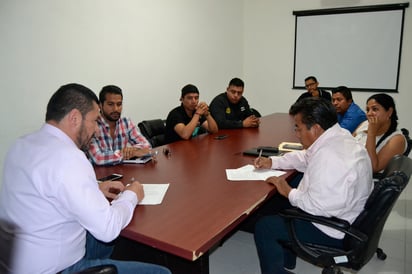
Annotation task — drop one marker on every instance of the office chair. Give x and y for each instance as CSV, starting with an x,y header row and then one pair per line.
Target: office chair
x,y
7,241
154,131
361,238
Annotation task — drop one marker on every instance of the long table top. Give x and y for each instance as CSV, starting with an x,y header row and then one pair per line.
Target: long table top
x,y
201,206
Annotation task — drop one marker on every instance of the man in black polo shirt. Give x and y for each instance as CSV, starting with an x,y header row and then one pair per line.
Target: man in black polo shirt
x,y
311,85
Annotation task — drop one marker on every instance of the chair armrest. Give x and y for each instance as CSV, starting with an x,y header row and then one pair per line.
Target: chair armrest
x,y
318,254
332,222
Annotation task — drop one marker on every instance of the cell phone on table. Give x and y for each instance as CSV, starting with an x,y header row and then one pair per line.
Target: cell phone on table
x,y
221,137
111,177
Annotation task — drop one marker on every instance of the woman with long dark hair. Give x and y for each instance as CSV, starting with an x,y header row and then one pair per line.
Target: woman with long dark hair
x,y
379,133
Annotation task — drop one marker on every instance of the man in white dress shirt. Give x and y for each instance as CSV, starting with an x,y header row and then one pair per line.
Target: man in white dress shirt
x,y
337,181
51,194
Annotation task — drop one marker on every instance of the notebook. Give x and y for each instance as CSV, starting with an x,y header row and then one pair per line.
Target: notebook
x,y
140,160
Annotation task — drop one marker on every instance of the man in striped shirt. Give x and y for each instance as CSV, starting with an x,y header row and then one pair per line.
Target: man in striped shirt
x,y
118,138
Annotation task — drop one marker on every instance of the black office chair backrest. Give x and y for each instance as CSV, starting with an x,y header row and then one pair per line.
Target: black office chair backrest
x,y
405,133
7,236
154,131
377,209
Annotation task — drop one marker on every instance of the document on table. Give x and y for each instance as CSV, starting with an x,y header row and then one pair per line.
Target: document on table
x,y
249,172
139,160
153,194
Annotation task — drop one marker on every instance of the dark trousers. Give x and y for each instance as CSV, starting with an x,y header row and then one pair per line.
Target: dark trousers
x,y
270,231
270,207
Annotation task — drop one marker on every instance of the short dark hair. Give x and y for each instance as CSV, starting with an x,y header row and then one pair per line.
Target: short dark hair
x,y
112,89
69,97
315,110
345,91
311,78
189,88
237,82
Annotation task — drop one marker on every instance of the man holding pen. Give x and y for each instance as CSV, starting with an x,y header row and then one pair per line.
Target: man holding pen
x,y
337,181
52,196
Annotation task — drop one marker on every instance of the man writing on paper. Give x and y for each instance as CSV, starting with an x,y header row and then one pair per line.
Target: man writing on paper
x,y
337,181
118,138
51,194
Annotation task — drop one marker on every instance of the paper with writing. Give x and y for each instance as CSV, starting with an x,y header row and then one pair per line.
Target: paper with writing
x,y
249,172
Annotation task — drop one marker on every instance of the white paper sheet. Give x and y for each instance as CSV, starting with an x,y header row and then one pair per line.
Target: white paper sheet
x,y
248,172
154,194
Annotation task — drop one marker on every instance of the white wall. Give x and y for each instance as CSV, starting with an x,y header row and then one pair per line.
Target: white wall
x,y
269,47
151,49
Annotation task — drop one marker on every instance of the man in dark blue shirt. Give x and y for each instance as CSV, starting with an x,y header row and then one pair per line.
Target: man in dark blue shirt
x,y
350,115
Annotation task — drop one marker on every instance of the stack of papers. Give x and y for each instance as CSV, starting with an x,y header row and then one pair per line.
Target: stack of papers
x,y
249,172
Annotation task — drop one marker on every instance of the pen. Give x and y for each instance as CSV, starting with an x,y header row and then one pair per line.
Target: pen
x,y
257,163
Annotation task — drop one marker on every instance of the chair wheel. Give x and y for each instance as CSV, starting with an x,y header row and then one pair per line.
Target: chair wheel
x,y
332,270
380,254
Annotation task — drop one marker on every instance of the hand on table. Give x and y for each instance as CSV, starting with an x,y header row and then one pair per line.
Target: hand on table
x,y
281,185
131,152
251,121
111,189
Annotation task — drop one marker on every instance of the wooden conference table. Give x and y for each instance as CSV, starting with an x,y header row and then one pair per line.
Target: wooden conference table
x,y
201,207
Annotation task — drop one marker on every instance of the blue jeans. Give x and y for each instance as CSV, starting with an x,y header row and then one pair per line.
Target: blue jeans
x,y
98,253
271,230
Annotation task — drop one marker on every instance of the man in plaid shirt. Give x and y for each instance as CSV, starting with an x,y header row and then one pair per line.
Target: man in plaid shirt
x,y
117,138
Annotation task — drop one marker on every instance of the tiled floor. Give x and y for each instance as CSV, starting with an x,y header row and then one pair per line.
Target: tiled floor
x,y
238,254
